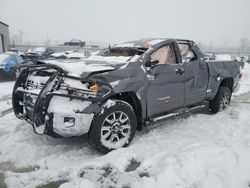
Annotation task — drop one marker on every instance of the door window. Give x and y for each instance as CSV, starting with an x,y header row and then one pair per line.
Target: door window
x,y
165,55
187,53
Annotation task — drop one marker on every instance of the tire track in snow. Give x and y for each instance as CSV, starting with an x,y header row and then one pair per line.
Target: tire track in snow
x,y
5,98
5,112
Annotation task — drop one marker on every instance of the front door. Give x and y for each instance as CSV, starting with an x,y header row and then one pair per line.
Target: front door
x,y
165,82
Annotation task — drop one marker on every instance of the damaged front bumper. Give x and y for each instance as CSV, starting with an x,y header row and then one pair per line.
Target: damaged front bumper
x,y
55,103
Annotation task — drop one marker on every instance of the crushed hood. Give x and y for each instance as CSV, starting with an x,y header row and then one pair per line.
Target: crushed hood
x,y
84,67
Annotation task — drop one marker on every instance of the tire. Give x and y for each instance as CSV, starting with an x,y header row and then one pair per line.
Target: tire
x,y
12,74
15,74
221,101
113,127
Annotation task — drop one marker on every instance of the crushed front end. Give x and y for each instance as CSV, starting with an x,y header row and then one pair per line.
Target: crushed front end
x,y
56,103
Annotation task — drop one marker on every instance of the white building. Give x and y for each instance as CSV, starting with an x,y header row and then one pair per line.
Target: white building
x,y
4,37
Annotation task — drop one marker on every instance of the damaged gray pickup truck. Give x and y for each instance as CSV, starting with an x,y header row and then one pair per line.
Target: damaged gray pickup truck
x,y
122,89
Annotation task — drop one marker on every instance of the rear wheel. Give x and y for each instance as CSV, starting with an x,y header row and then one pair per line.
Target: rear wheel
x,y
221,101
114,127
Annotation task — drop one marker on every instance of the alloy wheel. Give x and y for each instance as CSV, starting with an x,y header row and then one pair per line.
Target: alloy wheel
x,y
115,130
225,101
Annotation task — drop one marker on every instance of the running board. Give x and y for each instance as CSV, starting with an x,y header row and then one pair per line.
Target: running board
x,y
160,118
167,116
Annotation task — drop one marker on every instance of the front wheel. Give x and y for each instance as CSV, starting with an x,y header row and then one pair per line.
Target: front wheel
x,y
221,101
113,127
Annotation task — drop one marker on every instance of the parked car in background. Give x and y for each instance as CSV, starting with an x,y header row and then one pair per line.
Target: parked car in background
x,y
75,42
223,57
38,53
209,56
9,63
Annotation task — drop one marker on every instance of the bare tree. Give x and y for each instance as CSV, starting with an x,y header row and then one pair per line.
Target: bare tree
x,y
225,42
244,44
48,41
15,38
21,37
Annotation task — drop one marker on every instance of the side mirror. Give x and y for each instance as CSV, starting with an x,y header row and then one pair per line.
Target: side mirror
x,y
151,63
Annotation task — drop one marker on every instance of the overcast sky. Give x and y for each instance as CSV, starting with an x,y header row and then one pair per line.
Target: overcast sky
x,y
219,21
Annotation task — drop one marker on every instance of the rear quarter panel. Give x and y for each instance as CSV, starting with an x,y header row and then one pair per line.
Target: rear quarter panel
x,y
222,70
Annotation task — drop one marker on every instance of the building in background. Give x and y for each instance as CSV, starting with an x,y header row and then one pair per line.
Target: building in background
x,y
4,37
75,42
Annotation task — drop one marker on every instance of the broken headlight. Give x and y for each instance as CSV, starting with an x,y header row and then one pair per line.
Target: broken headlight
x,y
84,89
98,88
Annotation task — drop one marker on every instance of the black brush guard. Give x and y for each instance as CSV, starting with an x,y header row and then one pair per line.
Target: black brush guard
x,y
38,110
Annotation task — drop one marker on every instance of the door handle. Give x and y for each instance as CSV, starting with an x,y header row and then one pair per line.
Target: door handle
x,y
179,71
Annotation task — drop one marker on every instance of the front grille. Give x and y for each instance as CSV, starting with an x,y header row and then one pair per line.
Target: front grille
x,y
34,85
36,82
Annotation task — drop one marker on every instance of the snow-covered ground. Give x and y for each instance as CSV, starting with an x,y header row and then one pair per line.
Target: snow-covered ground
x,y
245,81
6,88
195,150
5,96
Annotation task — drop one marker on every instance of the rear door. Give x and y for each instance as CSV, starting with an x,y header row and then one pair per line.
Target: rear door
x,y
165,82
196,74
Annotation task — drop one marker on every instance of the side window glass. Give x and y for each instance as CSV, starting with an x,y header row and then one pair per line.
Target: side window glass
x,y
187,54
165,55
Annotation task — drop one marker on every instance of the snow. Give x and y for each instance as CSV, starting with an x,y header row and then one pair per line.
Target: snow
x,y
40,129
5,95
69,54
115,83
77,68
155,41
109,103
177,153
80,126
3,57
31,91
93,63
193,150
111,59
74,83
39,49
146,44
223,57
245,81
5,105
67,105
6,88
125,45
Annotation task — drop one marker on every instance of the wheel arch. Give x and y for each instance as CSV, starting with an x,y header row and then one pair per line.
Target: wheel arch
x,y
227,82
132,99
